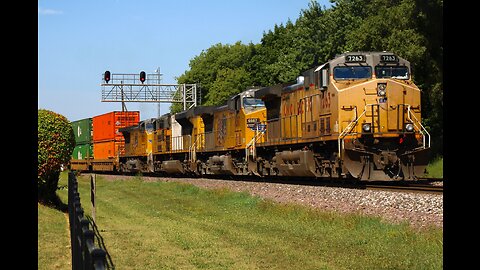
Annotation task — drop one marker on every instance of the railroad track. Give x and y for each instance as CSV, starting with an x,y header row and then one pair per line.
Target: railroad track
x,y
407,187
424,185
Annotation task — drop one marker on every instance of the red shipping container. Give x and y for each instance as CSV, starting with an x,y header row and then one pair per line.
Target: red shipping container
x,y
108,149
105,126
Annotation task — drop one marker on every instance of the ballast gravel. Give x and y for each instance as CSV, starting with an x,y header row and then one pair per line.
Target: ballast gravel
x,y
420,210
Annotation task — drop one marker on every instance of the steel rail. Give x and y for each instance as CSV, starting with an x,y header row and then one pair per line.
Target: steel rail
x,y
422,185
424,188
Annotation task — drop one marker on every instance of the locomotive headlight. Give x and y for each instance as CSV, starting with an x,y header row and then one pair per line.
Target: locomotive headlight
x,y
366,127
409,127
381,89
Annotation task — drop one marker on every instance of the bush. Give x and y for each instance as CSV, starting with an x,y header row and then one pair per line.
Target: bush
x,y
56,141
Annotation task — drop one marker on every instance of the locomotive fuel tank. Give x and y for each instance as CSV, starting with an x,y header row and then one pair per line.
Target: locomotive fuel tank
x,y
296,163
173,167
221,165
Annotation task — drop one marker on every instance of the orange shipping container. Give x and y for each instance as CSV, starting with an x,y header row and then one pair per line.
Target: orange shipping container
x,y
108,149
105,126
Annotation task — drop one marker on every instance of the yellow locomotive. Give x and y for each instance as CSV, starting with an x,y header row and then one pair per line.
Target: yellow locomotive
x,y
358,116
201,140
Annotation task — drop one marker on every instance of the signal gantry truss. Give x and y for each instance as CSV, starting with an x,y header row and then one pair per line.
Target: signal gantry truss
x,y
129,88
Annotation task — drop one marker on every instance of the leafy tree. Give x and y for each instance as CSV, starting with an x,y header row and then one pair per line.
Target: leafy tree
x,y
429,23
228,83
56,141
213,66
279,57
311,31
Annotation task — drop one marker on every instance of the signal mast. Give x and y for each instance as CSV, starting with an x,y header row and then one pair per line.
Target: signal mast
x,y
143,87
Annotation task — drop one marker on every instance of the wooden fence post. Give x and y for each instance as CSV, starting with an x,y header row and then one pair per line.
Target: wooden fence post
x,y
93,191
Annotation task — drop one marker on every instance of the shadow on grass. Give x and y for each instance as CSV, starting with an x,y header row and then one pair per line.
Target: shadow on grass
x,y
54,202
101,242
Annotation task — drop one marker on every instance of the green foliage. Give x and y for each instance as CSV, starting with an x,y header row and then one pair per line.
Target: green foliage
x,y
228,83
411,29
56,141
435,168
221,72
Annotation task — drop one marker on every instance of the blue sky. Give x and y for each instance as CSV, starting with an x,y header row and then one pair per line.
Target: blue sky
x,y
79,40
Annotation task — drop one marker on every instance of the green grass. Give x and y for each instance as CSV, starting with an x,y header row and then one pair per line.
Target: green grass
x,y
435,168
53,239
166,225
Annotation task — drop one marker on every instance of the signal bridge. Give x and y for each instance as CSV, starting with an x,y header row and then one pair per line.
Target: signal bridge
x,y
122,87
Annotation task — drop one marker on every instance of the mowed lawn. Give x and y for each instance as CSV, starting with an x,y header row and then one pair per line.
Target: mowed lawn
x,y
167,225
53,239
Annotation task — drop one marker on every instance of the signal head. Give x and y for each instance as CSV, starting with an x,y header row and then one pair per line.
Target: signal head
x,y
106,76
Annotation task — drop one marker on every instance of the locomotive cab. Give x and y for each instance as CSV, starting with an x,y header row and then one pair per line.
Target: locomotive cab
x,y
378,111
236,126
248,113
138,146
162,134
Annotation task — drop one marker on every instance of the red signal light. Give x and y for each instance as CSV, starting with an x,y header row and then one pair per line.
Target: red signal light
x,y
142,76
106,76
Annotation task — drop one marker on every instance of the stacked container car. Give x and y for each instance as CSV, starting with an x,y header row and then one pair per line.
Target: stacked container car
x,y
108,141
99,141
83,150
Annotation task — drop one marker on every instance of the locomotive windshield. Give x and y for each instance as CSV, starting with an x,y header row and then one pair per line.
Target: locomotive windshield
x,y
149,127
391,72
352,72
250,102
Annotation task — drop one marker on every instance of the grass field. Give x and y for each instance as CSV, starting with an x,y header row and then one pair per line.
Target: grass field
x,y
166,225
435,168
53,239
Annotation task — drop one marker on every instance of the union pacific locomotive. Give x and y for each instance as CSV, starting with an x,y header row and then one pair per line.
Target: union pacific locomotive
x,y
356,116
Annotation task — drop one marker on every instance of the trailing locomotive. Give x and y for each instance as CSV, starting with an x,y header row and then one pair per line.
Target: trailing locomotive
x,y
358,115
211,140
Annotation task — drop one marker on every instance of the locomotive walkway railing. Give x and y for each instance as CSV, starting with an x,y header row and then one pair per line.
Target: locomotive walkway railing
x,y
349,128
422,130
250,149
84,253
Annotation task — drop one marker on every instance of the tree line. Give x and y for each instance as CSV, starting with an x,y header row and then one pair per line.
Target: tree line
x,y
412,29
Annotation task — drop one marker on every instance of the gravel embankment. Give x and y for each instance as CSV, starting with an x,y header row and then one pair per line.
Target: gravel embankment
x,y
419,209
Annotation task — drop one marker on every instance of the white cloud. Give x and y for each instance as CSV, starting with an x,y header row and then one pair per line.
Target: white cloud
x,y
48,11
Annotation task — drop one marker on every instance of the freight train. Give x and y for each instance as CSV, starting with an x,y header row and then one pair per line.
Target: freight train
x,y
356,116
